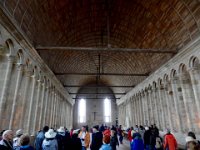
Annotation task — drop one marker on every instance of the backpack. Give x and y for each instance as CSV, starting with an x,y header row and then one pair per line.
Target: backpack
x,y
158,143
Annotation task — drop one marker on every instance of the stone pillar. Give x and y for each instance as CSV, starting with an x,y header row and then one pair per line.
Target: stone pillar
x,y
5,86
151,116
37,112
155,97
18,82
144,111
161,100
147,109
31,104
27,75
188,99
51,106
43,98
177,104
45,120
141,110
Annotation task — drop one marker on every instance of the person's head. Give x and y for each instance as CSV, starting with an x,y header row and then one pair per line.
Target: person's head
x,y
50,134
112,133
106,139
8,135
146,128
45,128
19,133
192,134
191,142
131,128
95,129
83,128
168,131
24,140
136,126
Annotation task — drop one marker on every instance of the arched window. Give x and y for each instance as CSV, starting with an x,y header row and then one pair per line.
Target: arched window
x,y
107,110
82,111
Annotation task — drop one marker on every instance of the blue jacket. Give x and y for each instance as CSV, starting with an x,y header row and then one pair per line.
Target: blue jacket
x,y
137,144
105,147
38,141
50,144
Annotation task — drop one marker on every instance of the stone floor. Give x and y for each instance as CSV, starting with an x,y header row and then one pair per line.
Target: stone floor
x,y
124,146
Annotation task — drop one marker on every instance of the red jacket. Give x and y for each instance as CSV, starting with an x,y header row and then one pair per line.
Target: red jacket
x,y
107,132
170,142
129,135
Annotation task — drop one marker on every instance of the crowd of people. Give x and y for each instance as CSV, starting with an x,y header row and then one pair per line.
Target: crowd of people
x,y
97,138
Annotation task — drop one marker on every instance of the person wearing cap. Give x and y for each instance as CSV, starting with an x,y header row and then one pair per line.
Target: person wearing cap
x,y
97,138
191,143
50,142
40,137
76,142
106,145
19,133
170,142
6,142
61,138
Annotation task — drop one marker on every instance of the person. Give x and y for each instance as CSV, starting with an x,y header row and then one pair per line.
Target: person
x,y
137,142
106,145
24,143
141,131
147,136
97,138
1,134
102,128
71,132
170,142
155,141
61,138
192,143
129,134
50,142
85,138
193,136
6,142
76,142
40,137
106,131
16,143
120,133
114,140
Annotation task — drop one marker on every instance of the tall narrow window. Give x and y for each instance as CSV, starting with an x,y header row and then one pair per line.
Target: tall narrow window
x,y
107,110
82,111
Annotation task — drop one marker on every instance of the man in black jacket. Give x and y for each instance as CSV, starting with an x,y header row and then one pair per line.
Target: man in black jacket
x,y
6,142
97,138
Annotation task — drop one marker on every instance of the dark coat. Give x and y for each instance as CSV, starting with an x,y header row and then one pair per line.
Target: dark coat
x,y
147,137
76,143
64,141
96,141
114,142
5,145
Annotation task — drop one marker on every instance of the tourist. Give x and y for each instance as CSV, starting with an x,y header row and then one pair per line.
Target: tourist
x,y
61,138
97,138
107,131
137,142
120,133
50,142
71,132
1,134
76,142
147,136
170,142
40,137
6,142
106,145
24,143
102,128
129,134
141,131
16,143
114,140
155,141
84,135
191,143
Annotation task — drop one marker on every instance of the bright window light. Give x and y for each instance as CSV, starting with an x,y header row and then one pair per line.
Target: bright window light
x,y
107,110
82,111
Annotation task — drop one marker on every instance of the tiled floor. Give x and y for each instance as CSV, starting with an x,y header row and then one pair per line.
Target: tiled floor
x,y
124,146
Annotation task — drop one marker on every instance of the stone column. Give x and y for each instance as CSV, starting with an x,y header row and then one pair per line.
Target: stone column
x,y
46,106
31,104
42,105
51,107
18,82
27,75
195,80
141,110
151,116
188,99
144,111
176,102
6,86
161,100
147,108
156,106
37,112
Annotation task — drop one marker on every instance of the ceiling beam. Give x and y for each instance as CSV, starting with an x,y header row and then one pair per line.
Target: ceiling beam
x,y
101,74
95,98
100,86
97,93
135,50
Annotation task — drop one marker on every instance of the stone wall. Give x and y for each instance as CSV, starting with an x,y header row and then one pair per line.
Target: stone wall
x,y
169,97
30,94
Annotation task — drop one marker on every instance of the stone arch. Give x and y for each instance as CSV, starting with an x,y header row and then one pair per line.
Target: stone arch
x,y
20,57
173,73
194,62
182,68
9,47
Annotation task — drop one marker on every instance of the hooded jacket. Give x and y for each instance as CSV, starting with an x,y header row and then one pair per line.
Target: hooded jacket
x,y
105,147
137,143
50,144
170,142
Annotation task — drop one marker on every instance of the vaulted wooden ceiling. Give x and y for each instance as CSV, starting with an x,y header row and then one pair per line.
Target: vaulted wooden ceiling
x,y
141,24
